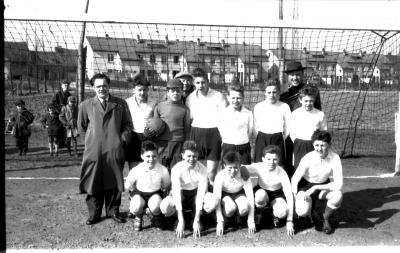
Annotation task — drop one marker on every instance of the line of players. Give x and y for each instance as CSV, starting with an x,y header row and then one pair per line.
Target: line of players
x,y
202,126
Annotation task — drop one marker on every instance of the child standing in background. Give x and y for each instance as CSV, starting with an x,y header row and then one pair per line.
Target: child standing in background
x,y
69,118
52,123
20,122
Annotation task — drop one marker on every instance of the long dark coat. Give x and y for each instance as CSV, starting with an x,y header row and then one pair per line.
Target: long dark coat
x,y
106,132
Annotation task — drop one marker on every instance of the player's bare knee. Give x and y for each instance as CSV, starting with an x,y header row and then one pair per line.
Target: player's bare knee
x,y
335,199
167,206
280,209
260,198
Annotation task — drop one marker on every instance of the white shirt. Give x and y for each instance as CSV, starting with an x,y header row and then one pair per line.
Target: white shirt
x,y
317,170
235,127
302,123
140,112
271,118
148,180
224,182
204,109
183,177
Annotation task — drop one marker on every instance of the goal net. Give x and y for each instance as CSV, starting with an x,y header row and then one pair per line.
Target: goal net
x,y
357,71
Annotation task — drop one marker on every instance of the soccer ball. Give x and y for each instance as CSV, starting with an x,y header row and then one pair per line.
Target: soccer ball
x,y
154,127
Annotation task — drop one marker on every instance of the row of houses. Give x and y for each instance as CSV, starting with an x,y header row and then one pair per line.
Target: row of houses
x,y
160,60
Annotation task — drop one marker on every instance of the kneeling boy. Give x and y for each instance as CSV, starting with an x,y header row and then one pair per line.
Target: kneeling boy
x,y
146,181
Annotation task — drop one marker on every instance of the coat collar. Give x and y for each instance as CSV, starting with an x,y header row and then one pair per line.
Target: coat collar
x,y
111,104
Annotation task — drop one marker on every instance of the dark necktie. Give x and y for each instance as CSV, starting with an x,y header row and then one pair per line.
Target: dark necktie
x,y
104,104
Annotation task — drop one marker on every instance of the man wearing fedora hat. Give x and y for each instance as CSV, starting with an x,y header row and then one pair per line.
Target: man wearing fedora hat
x,y
295,72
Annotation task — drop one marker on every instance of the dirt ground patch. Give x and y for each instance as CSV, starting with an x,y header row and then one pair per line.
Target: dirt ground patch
x,y
47,212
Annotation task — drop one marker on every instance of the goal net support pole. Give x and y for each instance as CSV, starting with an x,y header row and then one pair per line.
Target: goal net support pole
x,y
397,140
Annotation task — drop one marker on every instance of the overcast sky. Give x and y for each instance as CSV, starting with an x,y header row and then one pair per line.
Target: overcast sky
x,y
378,13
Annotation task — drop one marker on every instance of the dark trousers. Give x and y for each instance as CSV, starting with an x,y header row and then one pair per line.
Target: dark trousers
x,y
244,151
300,149
111,200
22,144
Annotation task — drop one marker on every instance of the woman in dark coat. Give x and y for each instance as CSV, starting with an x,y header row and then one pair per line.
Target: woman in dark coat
x,y
107,128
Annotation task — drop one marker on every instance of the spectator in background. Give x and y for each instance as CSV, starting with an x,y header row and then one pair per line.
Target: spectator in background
x,y
52,123
69,117
19,123
60,99
106,124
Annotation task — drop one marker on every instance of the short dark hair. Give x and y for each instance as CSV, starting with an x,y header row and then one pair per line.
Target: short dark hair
x,y
99,76
191,146
308,90
272,149
148,146
231,157
321,135
139,79
236,87
199,72
65,82
273,82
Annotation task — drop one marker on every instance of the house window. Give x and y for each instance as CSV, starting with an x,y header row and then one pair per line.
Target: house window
x,y
233,61
140,57
212,61
152,58
110,57
142,72
164,59
176,59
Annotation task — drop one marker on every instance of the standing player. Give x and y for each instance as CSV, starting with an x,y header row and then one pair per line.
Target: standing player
x,y
177,119
235,124
233,193
273,188
271,118
311,181
205,104
141,110
303,122
295,73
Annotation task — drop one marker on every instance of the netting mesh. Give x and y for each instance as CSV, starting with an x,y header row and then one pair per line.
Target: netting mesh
x,y
357,71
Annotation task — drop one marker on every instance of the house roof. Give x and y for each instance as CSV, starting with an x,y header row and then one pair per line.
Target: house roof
x,y
16,51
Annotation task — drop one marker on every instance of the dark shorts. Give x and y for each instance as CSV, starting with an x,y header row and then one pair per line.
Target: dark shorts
x,y
272,194
304,185
169,153
244,150
208,141
145,195
233,196
188,198
53,139
300,149
263,140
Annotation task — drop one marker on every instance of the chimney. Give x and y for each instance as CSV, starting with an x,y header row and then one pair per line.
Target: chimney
x,y
305,50
166,39
244,43
222,43
138,37
323,51
344,52
198,41
107,37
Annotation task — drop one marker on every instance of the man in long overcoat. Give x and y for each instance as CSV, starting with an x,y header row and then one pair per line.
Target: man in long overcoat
x,y
106,123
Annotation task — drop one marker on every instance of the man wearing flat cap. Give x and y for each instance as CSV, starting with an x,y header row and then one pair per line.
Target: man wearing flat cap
x,y
105,123
187,80
295,72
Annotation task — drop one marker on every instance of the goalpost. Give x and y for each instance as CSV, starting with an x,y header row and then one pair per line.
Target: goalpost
x,y
356,69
